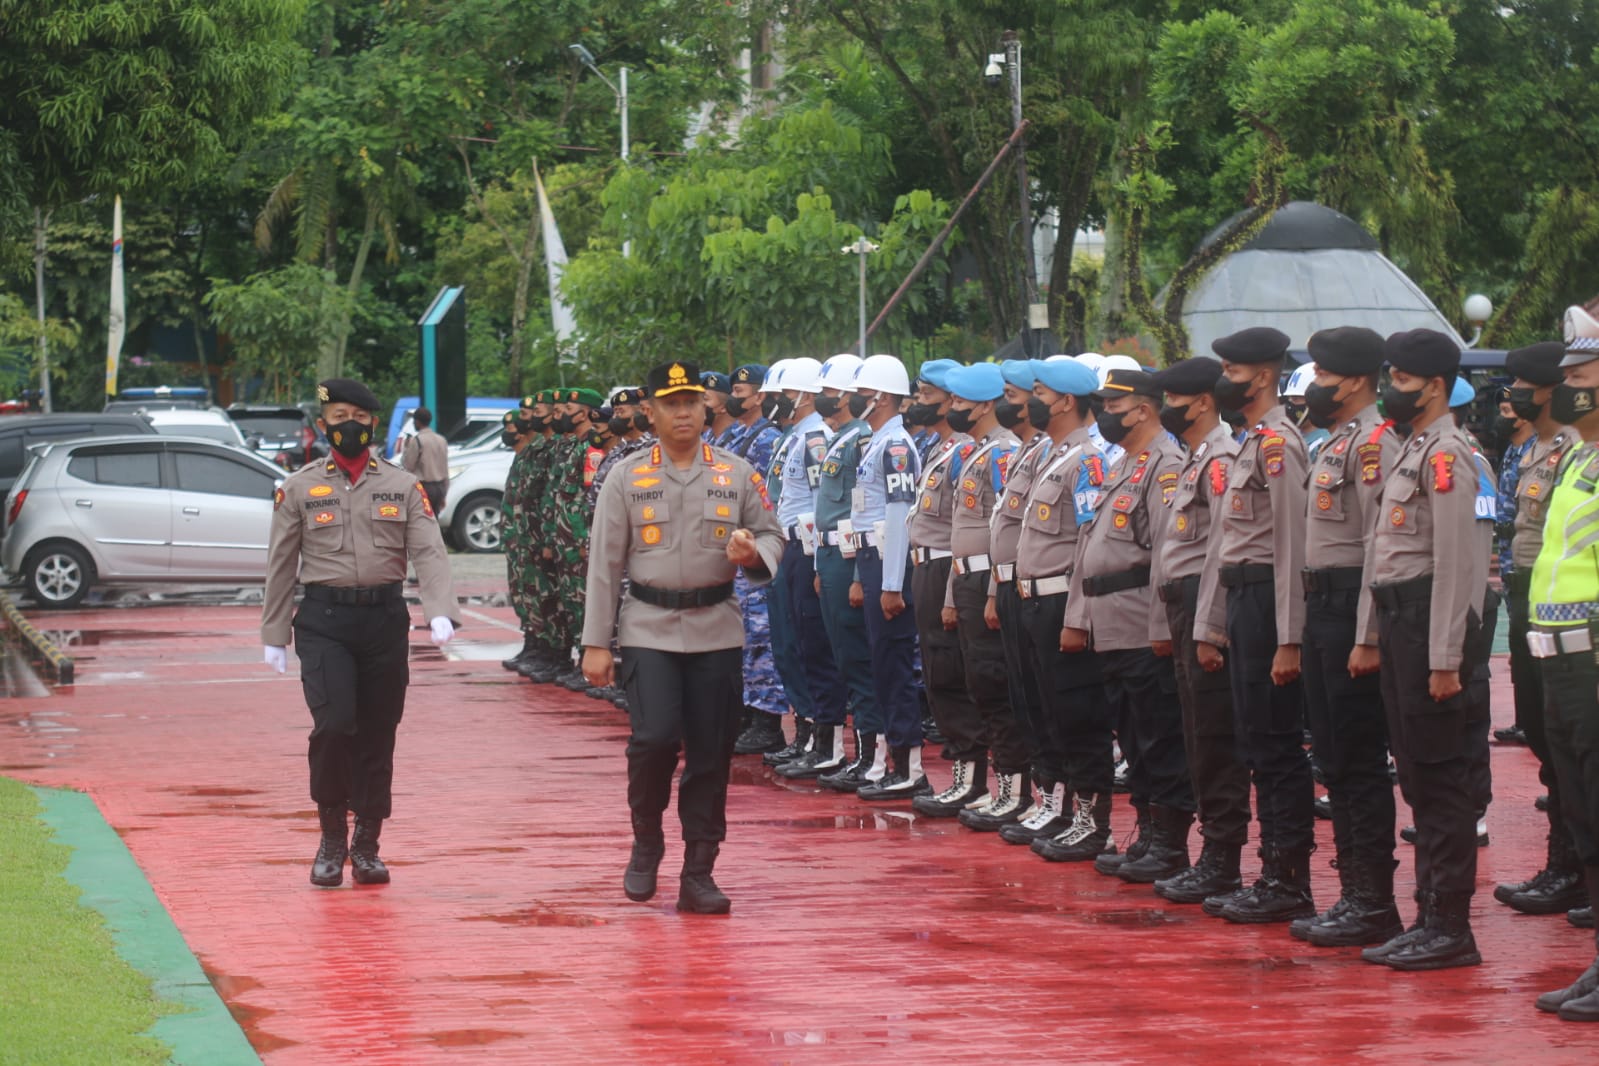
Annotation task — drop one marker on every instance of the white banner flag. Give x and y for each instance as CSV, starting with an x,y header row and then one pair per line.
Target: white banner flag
x,y
119,314
561,316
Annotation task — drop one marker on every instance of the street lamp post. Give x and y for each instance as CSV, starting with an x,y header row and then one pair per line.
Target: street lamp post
x,y
1009,65
862,247
586,57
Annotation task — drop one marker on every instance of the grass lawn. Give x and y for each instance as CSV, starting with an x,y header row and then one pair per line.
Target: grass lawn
x,y
65,995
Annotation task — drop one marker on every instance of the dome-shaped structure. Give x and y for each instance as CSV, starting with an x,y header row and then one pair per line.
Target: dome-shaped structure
x,y
1309,268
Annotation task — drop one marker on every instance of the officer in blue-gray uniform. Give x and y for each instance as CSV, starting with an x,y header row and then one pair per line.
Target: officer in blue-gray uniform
x,y
718,389
888,763
801,470
835,573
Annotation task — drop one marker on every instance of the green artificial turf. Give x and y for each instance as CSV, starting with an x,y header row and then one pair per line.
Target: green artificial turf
x,y
65,995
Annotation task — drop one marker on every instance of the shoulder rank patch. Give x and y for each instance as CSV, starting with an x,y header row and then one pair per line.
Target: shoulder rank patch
x,y
760,487
1095,466
1443,471
427,504
277,499
1370,456
1272,451
1168,486
1218,477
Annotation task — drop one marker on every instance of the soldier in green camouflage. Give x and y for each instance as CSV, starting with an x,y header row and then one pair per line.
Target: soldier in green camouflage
x,y
568,513
517,432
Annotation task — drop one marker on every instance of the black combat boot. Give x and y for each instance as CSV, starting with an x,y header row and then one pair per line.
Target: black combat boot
x,y
1580,1001
1110,860
804,732
1448,942
1213,876
1556,888
697,893
529,649
1419,931
1280,895
903,781
1167,854
1005,805
1580,918
365,865
853,775
1364,914
543,668
1049,817
765,733
649,846
328,868
968,783
1088,834
825,756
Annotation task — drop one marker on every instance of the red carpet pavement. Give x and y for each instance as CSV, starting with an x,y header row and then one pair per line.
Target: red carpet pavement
x,y
863,932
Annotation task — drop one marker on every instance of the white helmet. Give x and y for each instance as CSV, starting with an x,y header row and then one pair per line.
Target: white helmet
x,y
839,373
1107,363
1300,380
774,376
803,374
883,373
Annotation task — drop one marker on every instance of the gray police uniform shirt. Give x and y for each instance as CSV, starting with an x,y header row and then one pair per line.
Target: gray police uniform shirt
x,y
982,483
836,487
802,469
1263,523
1431,521
1120,538
935,495
1182,538
1005,524
1540,470
668,527
1062,500
1346,479
885,489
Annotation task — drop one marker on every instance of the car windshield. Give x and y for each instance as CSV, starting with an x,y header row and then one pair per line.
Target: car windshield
x,y
228,434
278,427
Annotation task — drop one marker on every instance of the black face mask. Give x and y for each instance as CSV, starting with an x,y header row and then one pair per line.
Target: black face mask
x,y
1527,409
1570,403
1176,420
618,425
735,406
1505,427
710,416
858,404
1322,400
1038,415
349,438
1400,405
508,437
538,423
563,424
960,419
1319,420
1114,426
776,406
641,420
1231,395
827,406
921,414
1010,414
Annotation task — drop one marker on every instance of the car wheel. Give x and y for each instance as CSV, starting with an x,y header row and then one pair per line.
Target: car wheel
x,y
58,575
476,526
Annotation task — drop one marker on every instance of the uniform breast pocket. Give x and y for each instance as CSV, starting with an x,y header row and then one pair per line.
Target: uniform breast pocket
x,y
388,525
933,498
1399,518
1045,508
1327,505
720,519
1122,516
650,522
1183,524
324,531
1241,504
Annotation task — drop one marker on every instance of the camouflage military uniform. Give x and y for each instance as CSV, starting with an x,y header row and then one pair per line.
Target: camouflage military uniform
x,y
513,536
543,576
567,527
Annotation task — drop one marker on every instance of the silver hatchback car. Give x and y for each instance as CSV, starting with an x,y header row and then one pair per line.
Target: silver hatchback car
x,y
137,509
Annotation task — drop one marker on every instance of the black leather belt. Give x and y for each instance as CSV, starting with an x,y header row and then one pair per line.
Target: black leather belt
x,y
1172,591
355,596
1392,597
1105,584
676,599
1246,574
1331,579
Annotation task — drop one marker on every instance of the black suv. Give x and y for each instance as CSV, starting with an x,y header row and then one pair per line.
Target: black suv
x,y
284,434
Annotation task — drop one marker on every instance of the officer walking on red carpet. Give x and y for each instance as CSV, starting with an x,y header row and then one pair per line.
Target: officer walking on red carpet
x,y
680,521
347,527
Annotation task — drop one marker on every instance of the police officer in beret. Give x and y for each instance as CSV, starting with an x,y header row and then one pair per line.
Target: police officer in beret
x,y
718,390
346,529
680,521
1428,575
1536,372
1254,563
1342,694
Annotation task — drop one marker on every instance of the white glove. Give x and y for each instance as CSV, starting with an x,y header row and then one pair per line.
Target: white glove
x,y
442,630
277,657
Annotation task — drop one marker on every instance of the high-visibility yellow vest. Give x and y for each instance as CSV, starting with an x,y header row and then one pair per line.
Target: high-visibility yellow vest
x,y
1565,579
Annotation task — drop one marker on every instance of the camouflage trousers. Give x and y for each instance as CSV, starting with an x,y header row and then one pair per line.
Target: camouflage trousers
x,y
763,689
572,583
543,594
518,560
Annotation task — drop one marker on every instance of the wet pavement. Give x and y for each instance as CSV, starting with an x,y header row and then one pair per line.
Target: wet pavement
x,y
505,937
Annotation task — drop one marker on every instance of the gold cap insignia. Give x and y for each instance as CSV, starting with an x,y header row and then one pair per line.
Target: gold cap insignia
x,y
322,393
676,375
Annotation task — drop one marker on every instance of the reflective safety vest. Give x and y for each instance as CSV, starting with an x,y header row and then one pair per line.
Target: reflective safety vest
x,y
1565,579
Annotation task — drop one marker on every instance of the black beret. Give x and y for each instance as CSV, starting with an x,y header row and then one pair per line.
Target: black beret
x,y
668,378
347,390
715,381
1257,344
1538,363
750,374
628,396
1191,377
1349,351
1423,352
1123,382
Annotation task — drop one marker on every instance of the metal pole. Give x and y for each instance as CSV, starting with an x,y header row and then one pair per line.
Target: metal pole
x,y
860,247
40,222
622,96
1013,63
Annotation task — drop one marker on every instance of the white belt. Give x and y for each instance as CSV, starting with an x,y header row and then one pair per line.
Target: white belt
x,y
1033,587
829,537
927,555
972,564
1548,644
865,540
1005,571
